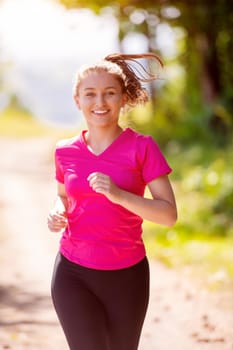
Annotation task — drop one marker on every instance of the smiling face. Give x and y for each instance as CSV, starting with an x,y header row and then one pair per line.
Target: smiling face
x,y
100,97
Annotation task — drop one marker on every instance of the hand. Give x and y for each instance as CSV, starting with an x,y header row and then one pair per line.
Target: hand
x,y
102,183
56,220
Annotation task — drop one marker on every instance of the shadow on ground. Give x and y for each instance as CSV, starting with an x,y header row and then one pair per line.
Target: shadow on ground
x,y
16,300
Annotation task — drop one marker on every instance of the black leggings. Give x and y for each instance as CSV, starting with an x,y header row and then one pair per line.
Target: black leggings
x,y
99,309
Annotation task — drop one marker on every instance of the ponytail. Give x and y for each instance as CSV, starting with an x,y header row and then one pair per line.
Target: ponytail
x,y
135,74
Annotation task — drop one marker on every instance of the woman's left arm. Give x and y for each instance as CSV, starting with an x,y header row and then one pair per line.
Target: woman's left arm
x,y
160,209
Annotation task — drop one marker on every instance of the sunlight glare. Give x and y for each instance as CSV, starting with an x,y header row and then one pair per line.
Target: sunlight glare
x,y
42,28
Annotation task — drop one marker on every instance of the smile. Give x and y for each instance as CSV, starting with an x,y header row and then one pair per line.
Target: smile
x,y
102,112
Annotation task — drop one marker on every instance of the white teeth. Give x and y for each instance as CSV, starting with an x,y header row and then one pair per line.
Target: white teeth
x,y
100,112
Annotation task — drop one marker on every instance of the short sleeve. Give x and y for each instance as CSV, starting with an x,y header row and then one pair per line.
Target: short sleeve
x,y
153,163
59,175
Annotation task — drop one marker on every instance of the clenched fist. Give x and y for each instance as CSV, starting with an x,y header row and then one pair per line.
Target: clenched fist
x,y
102,183
57,221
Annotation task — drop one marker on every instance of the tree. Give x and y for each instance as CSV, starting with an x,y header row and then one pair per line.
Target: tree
x,y
209,48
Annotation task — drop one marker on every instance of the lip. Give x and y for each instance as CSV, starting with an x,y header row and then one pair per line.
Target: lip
x,y
100,113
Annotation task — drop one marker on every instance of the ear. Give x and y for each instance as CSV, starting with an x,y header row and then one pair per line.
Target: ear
x,y
124,100
76,100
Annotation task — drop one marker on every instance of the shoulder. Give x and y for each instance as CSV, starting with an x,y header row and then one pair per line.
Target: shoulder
x,y
67,147
142,139
146,148
66,143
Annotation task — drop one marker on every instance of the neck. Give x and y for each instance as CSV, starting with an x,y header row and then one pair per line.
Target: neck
x,y
99,139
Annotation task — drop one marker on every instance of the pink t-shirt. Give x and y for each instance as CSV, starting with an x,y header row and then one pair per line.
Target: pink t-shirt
x,y
101,234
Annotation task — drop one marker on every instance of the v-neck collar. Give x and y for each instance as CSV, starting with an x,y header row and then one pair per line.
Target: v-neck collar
x,y
112,144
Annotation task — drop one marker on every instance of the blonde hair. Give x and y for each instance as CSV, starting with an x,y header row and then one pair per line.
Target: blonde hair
x,y
128,71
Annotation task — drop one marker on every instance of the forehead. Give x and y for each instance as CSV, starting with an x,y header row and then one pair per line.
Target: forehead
x,y
95,80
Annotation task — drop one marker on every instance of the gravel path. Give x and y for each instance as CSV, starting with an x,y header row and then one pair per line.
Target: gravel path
x,y
181,315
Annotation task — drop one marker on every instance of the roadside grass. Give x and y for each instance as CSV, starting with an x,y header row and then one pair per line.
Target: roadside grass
x,y
203,235
21,124
210,259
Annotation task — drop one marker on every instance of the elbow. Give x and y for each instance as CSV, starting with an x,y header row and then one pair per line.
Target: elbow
x,y
172,218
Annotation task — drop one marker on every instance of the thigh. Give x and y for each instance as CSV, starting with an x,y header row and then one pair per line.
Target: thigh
x,y
80,313
127,305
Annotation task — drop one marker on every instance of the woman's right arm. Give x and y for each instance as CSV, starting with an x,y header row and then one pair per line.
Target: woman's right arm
x,y
57,218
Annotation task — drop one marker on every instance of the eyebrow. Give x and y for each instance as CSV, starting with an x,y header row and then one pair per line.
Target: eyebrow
x,y
108,87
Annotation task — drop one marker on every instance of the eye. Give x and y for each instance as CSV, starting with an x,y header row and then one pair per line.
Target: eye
x,y
111,93
90,94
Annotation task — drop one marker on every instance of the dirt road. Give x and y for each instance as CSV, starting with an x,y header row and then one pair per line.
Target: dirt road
x,y
181,315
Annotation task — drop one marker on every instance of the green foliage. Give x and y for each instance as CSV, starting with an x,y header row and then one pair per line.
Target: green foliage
x,y
210,258
203,183
203,236
205,55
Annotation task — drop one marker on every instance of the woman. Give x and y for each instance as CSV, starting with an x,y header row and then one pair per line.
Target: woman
x,y
100,285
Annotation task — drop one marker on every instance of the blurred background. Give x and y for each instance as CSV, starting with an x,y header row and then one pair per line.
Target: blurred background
x,y
43,42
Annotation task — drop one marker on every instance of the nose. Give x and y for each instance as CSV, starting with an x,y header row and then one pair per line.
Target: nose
x,y
100,99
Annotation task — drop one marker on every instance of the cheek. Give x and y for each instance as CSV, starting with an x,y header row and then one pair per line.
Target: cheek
x,y
83,106
119,102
